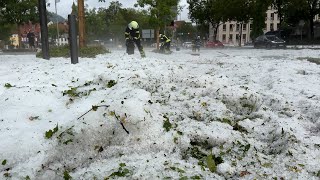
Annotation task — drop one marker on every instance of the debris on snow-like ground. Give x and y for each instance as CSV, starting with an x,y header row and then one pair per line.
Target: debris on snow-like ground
x,y
226,114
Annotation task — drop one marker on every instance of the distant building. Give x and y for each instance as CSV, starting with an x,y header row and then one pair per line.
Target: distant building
x,y
23,31
229,32
35,28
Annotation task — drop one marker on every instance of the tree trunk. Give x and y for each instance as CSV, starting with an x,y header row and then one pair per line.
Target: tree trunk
x,y
311,27
81,23
157,37
215,32
240,34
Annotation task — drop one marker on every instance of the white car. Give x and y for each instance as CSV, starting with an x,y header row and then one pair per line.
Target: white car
x,y
187,44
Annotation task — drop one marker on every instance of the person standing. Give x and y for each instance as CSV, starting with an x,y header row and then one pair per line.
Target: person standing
x,y
197,44
165,43
132,35
31,38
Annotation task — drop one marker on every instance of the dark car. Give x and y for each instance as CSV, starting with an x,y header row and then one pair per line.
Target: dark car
x,y
214,44
269,41
282,34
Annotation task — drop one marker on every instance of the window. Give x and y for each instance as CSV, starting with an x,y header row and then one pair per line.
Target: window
x,y
250,26
224,27
230,37
244,27
271,27
231,27
238,27
244,36
223,37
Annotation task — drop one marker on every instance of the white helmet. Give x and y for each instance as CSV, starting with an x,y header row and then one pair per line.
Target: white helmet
x,y
133,25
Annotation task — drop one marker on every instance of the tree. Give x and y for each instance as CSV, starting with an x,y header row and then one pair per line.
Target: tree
x,y
18,12
161,13
185,31
280,6
207,12
6,31
312,10
96,25
258,12
239,10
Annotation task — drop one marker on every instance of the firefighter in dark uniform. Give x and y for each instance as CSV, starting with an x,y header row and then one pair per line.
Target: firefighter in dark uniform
x,y
132,35
165,43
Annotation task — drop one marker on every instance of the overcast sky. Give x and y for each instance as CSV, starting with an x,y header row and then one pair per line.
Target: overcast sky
x,y
64,6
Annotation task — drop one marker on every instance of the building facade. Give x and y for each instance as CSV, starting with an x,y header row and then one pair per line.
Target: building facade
x,y
229,32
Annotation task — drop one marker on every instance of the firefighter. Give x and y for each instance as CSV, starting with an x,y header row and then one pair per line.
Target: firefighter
x,y
165,43
132,35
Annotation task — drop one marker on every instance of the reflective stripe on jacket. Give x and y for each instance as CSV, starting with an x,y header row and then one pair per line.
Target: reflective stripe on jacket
x,y
132,34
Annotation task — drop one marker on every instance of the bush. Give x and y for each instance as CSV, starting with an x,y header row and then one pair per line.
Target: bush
x,y
64,51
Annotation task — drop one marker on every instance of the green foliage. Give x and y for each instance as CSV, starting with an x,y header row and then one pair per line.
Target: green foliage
x,y
6,31
111,83
72,92
8,85
96,25
177,169
50,133
4,162
161,12
18,12
267,165
258,9
52,31
64,51
122,172
166,124
196,153
175,140
27,178
110,23
93,51
196,177
227,121
7,174
66,175
66,136
208,12
205,159
211,163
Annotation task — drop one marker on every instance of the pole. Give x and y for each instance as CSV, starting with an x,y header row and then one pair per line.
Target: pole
x,y
57,22
44,29
81,23
73,38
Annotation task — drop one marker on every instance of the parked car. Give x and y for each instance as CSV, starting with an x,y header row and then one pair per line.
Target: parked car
x,y
214,44
269,41
187,45
282,34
